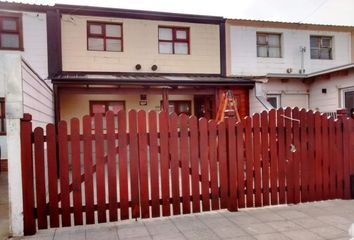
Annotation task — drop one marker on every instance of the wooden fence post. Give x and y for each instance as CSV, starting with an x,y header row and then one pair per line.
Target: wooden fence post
x,y
27,175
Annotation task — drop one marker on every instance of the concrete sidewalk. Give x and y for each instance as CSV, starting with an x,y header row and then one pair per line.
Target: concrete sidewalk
x,y
318,220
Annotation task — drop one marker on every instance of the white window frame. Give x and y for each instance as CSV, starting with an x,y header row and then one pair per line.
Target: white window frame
x,y
342,95
274,95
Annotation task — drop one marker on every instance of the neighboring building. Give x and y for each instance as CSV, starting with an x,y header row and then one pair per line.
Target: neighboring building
x,y
283,57
114,59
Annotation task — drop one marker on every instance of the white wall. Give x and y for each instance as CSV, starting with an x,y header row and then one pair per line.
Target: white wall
x,y
244,60
332,100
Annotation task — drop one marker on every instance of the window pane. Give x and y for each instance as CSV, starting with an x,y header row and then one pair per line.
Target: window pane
x,y
99,108
165,34
181,34
315,53
171,108
326,42
274,52
115,107
96,29
274,40
325,53
113,31
261,51
183,108
114,45
261,39
314,42
273,101
9,24
95,44
10,40
181,48
165,47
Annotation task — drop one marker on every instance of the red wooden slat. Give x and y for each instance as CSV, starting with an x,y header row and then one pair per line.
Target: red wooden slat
x,y
89,202
318,157
221,144
76,170
332,160
164,163
273,157
194,152
311,152
232,161
29,223
325,154
173,141
185,162
40,178
134,163
265,157
64,173
112,167
213,165
304,157
257,159
347,130
154,165
296,155
249,161
281,155
289,160
123,165
240,160
52,175
100,169
143,165
339,159
203,141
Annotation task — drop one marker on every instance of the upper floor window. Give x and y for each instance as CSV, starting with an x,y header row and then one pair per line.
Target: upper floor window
x,y
11,32
104,36
321,47
268,45
2,116
173,40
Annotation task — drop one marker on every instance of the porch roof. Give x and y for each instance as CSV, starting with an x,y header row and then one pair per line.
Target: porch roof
x,y
157,79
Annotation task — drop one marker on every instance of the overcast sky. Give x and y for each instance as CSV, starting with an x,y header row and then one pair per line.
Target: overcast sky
x,y
339,12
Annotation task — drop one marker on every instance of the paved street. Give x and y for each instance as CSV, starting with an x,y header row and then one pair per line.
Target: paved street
x,y
318,220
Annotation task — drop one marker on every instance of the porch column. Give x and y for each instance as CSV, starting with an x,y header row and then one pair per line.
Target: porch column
x,y
165,100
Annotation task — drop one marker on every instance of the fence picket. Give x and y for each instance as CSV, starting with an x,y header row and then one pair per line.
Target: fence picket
x,y
194,156
123,165
273,157
76,170
326,157
332,157
305,175
154,165
240,161
111,167
289,156
347,130
281,154
183,120
204,162
174,155
249,161
232,163
257,159
296,155
222,165
318,157
311,157
40,177
339,159
213,165
265,157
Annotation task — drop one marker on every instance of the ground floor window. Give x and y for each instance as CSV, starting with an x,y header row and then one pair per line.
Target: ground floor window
x,y
179,106
348,100
2,117
274,100
104,106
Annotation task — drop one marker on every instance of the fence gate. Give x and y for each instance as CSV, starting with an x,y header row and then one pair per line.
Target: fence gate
x,y
115,167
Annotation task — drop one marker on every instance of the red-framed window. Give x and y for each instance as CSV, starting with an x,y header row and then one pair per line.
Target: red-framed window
x,y
11,36
104,106
103,36
174,40
2,117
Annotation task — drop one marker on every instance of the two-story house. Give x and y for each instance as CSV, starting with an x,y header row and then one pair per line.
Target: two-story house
x,y
292,62
112,59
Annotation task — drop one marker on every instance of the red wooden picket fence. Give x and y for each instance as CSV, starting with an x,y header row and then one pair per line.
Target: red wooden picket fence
x,y
128,168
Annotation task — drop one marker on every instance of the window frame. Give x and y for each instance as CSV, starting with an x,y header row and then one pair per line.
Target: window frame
x,y
175,39
18,31
106,102
176,103
277,97
103,35
320,47
2,117
267,45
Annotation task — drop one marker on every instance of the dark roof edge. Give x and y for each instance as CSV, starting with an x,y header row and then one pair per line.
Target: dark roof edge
x,y
137,14
24,7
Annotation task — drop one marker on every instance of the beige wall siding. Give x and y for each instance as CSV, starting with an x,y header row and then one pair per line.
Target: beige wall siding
x,y
77,105
140,44
332,100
